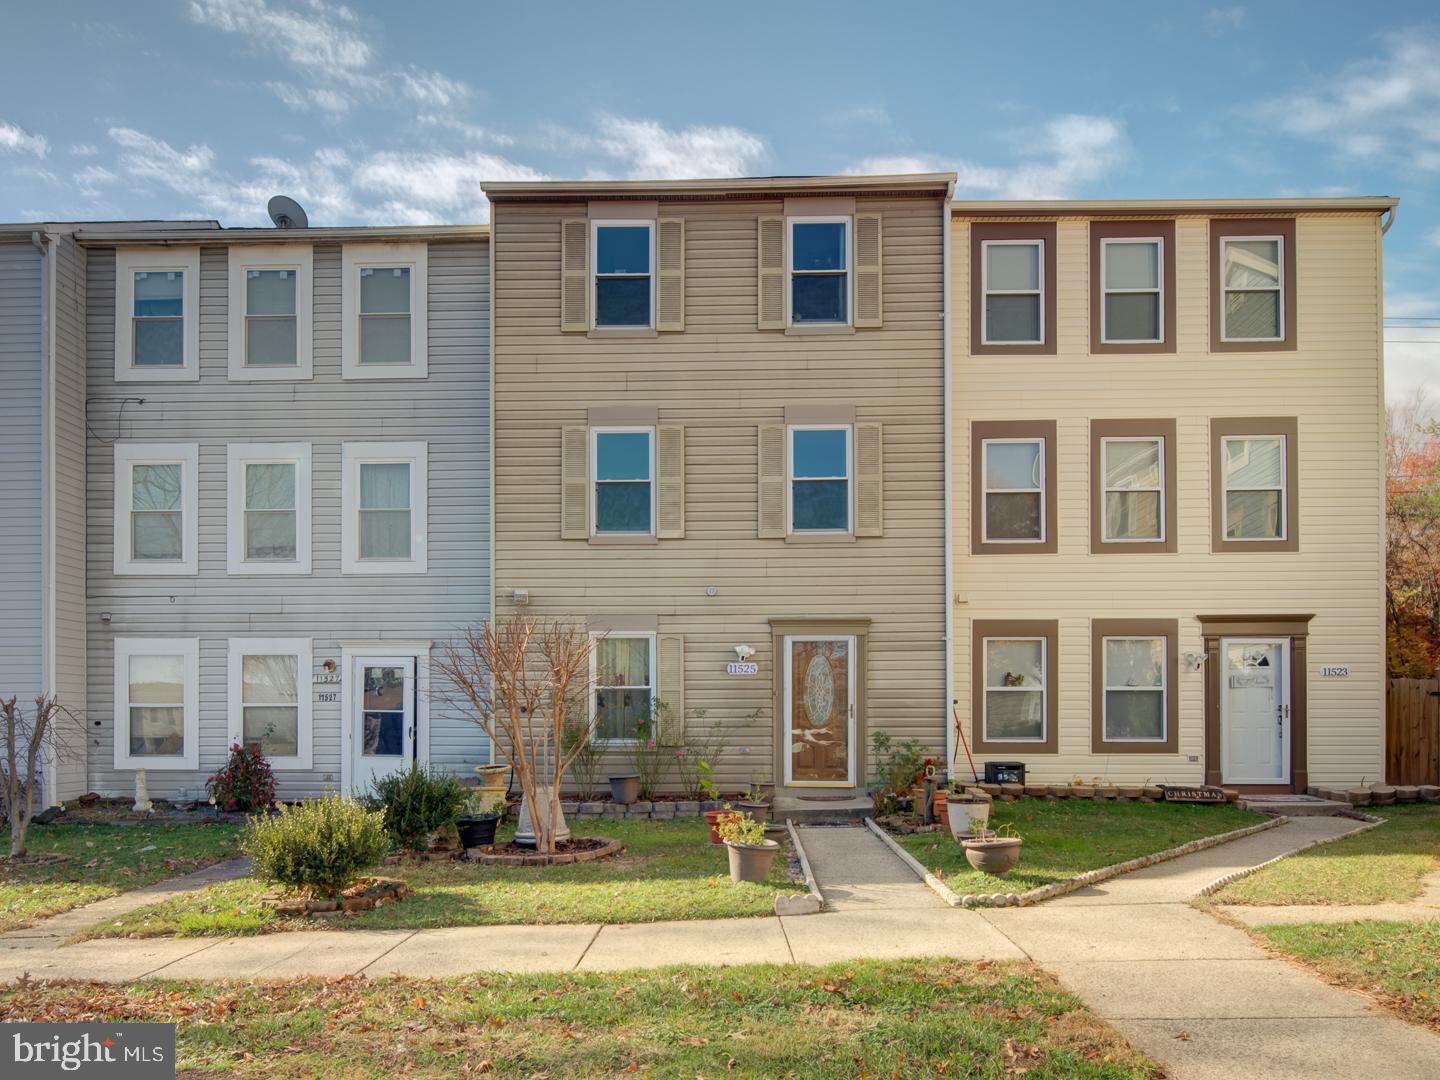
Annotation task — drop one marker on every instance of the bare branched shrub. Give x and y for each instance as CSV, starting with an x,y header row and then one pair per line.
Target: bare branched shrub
x,y
27,740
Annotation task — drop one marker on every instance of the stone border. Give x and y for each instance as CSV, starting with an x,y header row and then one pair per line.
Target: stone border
x,y
564,858
379,892
814,903
1372,822
660,810
1069,885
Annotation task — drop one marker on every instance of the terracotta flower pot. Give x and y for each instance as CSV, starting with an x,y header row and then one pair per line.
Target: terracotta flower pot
x,y
625,788
940,808
713,819
751,862
995,855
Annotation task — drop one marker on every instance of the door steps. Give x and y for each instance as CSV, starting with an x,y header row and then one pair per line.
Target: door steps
x,y
812,811
1292,805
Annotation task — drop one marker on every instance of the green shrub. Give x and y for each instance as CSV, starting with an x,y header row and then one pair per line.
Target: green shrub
x,y
417,803
318,846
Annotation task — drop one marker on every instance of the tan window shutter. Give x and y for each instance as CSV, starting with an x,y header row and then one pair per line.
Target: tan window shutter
x,y
671,661
575,483
869,481
670,481
670,275
867,270
575,275
772,273
772,481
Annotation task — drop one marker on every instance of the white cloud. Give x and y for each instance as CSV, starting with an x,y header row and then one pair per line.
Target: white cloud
x,y
1225,20
14,137
472,132
84,150
857,115
654,152
89,180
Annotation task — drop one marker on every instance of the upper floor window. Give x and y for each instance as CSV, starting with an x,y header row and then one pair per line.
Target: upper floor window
x,y
623,706
819,270
385,510
1013,510
1254,480
268,508
821,459
384,302
624,480
624,273
1132,311
1013,287
1253,280
157,703
157,324
271,311
155,508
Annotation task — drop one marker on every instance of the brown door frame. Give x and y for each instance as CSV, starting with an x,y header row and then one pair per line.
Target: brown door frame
x,y
780,629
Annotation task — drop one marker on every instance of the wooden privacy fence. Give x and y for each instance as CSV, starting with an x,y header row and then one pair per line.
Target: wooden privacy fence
x,y
1412,731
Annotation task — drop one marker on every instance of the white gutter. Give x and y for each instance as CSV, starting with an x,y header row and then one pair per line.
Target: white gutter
x,y
45,244
945,382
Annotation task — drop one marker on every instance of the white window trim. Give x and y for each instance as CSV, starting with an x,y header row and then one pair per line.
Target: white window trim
x,y
985,290
1105,489
595,434
127,262
595,227
842,219
596,685
1164,687
791,479
187,456
301,649
353,454
1226,489
1278,289
1158,292
986,490
986,688
353,259
189,650
238,455
299,258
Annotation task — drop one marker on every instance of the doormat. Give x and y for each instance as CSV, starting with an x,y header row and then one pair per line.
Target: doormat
x,y
825,798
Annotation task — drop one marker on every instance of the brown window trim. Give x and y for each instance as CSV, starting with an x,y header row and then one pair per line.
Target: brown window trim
x,y
1223,427
1119,230
1221,229
981,231
1100,629
1121,429
980,629
981,430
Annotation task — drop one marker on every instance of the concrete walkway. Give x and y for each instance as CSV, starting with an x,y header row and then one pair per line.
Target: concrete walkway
x,y
1424,907
857,872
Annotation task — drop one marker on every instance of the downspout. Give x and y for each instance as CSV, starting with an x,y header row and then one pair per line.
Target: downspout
x,y
44,243
1389,219
945,382
490,369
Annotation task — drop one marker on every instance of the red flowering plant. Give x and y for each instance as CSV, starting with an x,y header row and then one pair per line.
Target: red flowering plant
x,y
245,782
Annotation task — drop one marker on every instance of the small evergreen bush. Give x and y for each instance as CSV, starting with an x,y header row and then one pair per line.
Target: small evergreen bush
x,y
245,782
319,846
417,803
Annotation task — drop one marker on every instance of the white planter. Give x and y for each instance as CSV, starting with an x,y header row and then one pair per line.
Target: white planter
x,y
525,831
967,816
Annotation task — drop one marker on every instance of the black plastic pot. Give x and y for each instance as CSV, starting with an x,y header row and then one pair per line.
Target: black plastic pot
x,y
477,831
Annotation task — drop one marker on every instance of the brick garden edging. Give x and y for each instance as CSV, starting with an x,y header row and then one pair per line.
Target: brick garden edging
x,y
1372,822
650,811
379,892
559,858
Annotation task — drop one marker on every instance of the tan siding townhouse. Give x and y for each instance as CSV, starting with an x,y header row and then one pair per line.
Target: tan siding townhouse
x,y
719,442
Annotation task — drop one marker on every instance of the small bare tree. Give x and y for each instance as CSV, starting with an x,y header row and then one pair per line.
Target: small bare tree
x,y
521,678
24,740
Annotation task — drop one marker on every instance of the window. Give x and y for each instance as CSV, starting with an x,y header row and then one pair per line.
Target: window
x,y
269,698
1134,665
157,324
384,508
155,498
1254,487
624,680
1131,281
271,311
624,273
1014,506
1252,277
157,703
268,508
383,301
1013,284
1015,689
819,271
820,465
624,480
1132,472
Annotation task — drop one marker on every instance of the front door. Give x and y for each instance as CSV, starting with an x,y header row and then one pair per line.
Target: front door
x,y
820,711
1255,710
384,707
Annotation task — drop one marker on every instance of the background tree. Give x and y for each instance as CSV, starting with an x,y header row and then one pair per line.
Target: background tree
x,y
1412,540
27,740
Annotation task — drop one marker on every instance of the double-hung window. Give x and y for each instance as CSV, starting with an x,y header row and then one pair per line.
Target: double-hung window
x,y
271,311
821,464
820,287
157,314
157,703
624,273
624,481
1132,471
623,702
1134,674
269,698
155,508
384,322
1132,310
1252,281
1015,689
1254,483
384,508
1013,508
1012,285
268,508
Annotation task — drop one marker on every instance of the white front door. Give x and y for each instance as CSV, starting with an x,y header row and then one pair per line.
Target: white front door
x,y
1255,710
383,732
820,711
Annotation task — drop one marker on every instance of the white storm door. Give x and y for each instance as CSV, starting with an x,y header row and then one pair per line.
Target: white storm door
x,y
1255,710
820,711
383,698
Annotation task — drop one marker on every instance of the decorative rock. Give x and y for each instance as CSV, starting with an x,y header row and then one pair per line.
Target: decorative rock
x,y
1060,791
596,808
1358,796
568,807
356,903
632,812
797,904
1012,789
663,811
1107,791
1406,793
992,790
320,907
1382,795
687,808
1430,792
1131,792
290,907
1082,791
641,807
1037,791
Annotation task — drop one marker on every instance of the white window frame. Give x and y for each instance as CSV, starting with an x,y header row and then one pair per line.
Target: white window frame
x,y
1158,292
986,490
189,650
790,479
353,455
129,261
302,650
357,257
1105,489
595,434
238,456
595,275
298,258
1278,289
986,688
790,272
1225,489
985,291
1164,687
129,454
595,685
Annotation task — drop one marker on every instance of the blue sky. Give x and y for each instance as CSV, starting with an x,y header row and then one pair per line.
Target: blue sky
x,y
382,113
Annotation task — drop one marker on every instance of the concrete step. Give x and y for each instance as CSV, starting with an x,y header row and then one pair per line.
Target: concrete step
x,y
1292,805
812,811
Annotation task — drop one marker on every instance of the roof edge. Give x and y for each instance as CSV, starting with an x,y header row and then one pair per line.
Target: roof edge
x,y
281,236
1049,207
748,185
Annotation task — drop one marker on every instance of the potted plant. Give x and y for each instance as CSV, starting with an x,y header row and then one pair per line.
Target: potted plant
x,y
750,852
477,824
625,788
994,853
967,810
762,788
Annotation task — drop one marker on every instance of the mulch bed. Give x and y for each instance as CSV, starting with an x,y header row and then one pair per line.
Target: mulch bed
x,y
364,895
577,849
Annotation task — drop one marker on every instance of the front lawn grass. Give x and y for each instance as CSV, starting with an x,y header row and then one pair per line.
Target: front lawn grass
x,y
668,870
1373,867
868,1018
1396,962
1069,836
103,860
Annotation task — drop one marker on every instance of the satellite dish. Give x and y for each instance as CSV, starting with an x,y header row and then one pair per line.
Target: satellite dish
x,y
286,213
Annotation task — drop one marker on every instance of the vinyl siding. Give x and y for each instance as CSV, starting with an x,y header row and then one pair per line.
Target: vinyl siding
x,y
1332,384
